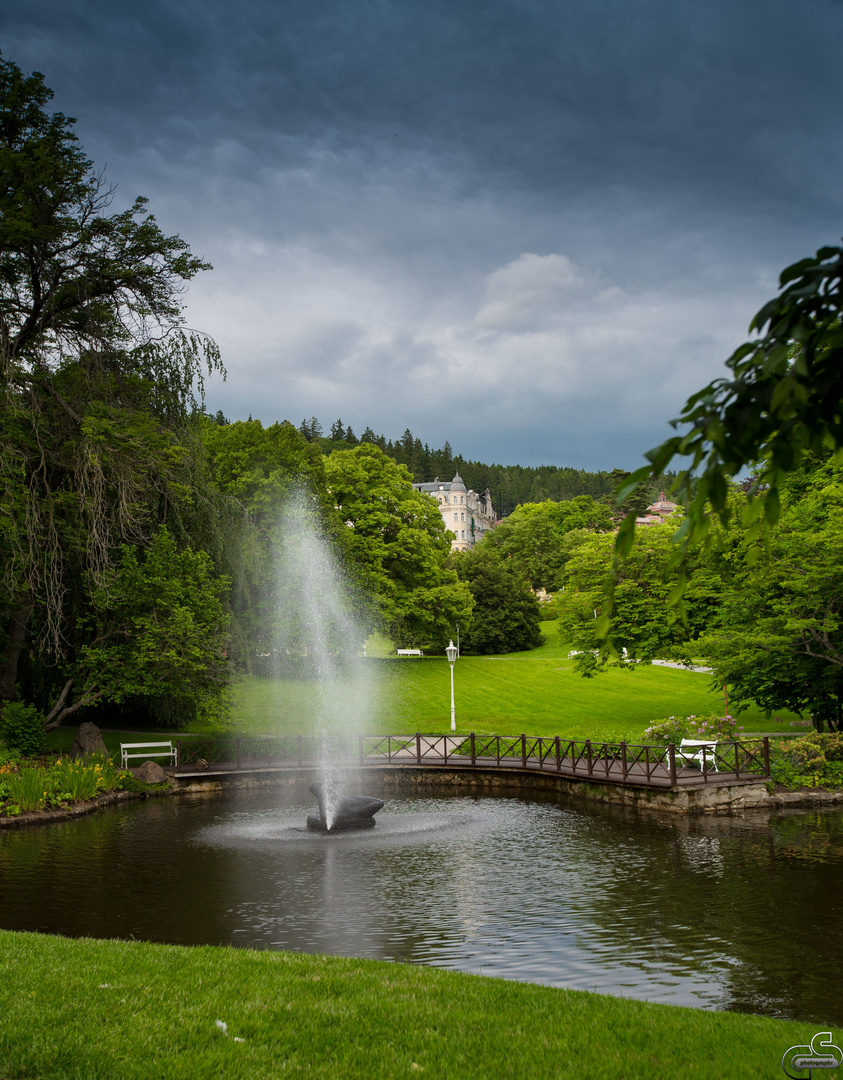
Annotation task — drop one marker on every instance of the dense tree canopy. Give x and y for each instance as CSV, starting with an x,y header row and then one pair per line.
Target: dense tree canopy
x,y
778,640
506,612
396,545
533,537
642,628
96,445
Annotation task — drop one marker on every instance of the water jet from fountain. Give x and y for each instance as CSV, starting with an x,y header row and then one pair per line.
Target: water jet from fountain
x,y
319,632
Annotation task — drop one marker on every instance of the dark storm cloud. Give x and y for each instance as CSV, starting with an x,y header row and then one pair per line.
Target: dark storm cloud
x,y
558,217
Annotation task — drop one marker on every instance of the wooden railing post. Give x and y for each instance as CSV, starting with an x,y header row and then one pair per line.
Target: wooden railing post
x,y
178,753
623,759
418,748
498,749
523,751
671,758
558,755
473,750
766,756
588,757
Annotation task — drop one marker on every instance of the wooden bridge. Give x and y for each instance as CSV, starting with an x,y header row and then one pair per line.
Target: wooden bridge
x,y
652,766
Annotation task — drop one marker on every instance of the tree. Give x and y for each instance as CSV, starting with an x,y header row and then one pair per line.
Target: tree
x,y
396,546
532,537
99,373
780,637
155,628
258,470
784,397
506,614
641,629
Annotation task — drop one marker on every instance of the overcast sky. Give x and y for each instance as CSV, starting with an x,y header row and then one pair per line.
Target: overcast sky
x,y
532,228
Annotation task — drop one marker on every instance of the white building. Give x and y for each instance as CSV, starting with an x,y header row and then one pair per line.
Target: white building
x,y
466,514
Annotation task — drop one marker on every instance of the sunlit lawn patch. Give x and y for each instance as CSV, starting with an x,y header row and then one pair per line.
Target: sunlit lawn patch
x,y
152,1010
537,692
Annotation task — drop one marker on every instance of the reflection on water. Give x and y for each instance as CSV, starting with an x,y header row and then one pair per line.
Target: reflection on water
x,y
739,913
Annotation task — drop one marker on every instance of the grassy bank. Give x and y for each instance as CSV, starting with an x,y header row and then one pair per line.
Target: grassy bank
x,y
537,692
91,1010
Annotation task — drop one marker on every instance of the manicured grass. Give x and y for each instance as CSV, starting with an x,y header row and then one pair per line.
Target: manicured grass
x,y
91,1010
537,692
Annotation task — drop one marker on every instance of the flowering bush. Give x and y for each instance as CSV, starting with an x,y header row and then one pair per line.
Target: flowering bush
x,y
676,728
26,788
671,730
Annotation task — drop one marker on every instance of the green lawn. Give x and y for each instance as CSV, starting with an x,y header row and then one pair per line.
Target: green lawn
x,y
99,1010
537,692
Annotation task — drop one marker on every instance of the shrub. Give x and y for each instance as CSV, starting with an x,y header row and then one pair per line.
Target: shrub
x,y
22,728
27,788
671,730
675,728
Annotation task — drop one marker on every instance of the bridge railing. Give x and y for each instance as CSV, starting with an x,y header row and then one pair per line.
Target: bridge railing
x,y
586,759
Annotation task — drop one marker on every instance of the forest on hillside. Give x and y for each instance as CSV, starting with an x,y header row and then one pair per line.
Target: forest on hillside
x,y
510,485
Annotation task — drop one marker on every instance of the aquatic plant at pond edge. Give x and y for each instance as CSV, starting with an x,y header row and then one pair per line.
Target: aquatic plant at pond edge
x,y
27,789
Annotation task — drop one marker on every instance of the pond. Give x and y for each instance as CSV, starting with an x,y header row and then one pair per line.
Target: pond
x,y
720,913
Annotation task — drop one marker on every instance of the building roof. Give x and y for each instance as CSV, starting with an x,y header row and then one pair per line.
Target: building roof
x,y
457,484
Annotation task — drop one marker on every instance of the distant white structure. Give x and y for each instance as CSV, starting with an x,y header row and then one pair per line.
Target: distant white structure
x,y
466,514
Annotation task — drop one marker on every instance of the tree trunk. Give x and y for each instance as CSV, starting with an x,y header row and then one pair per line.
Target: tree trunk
x,y
16,639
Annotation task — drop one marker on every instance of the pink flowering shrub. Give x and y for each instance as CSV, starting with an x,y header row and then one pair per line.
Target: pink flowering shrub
x,y
676,728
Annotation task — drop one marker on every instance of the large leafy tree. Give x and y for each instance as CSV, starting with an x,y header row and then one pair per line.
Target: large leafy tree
x,y
642,628
99,374
396,546
506,613
156,628
533,536
780,637
259,470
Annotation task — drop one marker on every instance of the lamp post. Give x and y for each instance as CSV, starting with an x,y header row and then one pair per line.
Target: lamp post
x,y
451,653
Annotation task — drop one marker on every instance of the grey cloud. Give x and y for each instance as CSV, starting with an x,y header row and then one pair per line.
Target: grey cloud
x,y
559,217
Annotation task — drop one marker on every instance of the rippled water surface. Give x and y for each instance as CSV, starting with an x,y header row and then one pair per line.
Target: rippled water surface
x,y
740,913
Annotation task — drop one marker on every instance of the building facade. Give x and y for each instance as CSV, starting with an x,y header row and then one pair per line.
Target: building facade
x,y
466,514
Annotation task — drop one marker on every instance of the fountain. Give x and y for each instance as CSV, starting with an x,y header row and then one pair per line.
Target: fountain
x,y
341,811
317,635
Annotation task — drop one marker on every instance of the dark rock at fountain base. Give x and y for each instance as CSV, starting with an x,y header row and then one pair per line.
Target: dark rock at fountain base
x,y
317,824
344,812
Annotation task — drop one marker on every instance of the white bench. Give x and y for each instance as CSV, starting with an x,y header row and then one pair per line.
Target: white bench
x,y
410,652
701,751
146,750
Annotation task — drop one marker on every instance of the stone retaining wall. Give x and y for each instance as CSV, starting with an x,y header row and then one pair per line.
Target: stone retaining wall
x,y
728,797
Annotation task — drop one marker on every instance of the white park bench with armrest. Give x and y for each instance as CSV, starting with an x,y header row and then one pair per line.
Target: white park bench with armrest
x,y
145,750
410,652
701,751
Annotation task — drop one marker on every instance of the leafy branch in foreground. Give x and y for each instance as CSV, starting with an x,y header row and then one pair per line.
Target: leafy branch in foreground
x,y
783,398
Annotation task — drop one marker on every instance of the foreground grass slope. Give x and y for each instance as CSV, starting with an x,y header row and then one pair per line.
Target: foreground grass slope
x,y
90,1010
537,692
